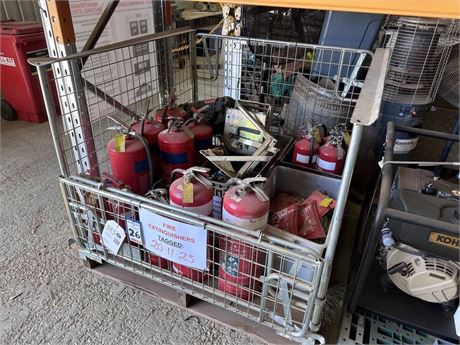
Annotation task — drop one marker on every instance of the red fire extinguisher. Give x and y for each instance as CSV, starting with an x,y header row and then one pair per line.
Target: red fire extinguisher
x,y
305,150
150,130
115,210
131,160
245,205
163,115
192,192
177,149
170,110
161,195
202,134
331,155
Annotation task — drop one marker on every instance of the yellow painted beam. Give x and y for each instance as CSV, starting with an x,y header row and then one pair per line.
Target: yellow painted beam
x,y
61,21
422,8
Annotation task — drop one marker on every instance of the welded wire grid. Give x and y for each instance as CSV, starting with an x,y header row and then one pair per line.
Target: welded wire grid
x,y
303,83
118,85
275,288
420,52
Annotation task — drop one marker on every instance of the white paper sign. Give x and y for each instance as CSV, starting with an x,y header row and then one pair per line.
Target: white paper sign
x,y
133,228
181,243
129,74
113,236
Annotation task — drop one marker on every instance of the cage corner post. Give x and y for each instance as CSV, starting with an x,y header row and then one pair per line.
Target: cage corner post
x,y
366,112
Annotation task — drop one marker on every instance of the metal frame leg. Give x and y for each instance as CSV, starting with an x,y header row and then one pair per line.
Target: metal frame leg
x,y
337,217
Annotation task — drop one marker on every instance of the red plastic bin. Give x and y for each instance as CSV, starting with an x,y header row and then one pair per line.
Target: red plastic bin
x,y
20,87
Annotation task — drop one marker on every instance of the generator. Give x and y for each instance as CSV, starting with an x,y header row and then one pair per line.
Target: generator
x,y
419,260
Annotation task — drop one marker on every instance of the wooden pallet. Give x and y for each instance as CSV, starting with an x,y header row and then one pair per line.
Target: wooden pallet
x,y
183,300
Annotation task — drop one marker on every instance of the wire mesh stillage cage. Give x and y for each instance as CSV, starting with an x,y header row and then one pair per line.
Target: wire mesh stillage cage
x,y
286,276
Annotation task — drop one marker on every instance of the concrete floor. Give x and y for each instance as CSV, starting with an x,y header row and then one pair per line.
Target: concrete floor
x,y
46,296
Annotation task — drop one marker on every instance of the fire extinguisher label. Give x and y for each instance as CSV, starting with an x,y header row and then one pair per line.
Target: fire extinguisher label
x,y
205,209
305,159
231,264
7,61
326,165
252,224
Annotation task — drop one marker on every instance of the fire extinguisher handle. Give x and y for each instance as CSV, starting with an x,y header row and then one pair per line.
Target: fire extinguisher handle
x,y
203,180
196,173
251,183
260,193
176,171
201,170
187,131
200,110
251,180
188,122
232,181
158,194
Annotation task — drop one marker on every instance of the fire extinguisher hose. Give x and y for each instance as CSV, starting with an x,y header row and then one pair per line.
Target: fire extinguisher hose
x,y
149,156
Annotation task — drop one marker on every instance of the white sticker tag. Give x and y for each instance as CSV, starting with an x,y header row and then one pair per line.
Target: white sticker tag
x,y
325,165
181,243
305,159
113,236
403,146
7,61
134,229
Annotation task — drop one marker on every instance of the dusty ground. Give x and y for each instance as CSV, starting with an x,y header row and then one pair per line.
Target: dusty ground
x,y
46,296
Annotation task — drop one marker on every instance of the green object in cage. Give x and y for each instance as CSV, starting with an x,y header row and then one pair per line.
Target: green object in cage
x,y
279,87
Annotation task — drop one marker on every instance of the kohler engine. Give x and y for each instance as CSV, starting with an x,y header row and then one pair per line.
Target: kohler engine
x,y
426,277
421,261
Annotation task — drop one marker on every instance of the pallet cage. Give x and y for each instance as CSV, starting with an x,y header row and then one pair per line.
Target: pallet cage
x,y
289,275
